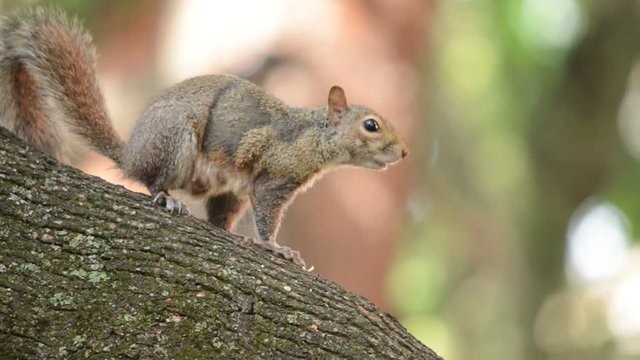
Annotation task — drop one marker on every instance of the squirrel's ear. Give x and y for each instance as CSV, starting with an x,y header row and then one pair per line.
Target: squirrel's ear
x,y
337,103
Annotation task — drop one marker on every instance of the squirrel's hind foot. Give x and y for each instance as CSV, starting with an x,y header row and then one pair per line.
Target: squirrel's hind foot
x,y
284,251
172,204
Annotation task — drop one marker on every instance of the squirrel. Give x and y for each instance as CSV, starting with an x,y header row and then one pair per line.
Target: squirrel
x,y
217,137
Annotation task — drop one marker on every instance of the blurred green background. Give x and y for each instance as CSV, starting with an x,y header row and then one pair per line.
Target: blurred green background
x,y
532,207
518,237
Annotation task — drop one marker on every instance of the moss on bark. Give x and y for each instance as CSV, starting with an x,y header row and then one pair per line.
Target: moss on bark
x,y
91,270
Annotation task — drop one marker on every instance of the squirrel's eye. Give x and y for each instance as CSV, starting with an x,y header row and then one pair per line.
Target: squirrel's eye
x,y
371,125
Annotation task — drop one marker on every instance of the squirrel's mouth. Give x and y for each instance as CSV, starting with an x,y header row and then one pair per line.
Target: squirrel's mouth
x,y
387,161
379,164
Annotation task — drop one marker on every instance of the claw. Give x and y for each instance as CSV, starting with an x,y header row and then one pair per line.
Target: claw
x,y
284,251
172,204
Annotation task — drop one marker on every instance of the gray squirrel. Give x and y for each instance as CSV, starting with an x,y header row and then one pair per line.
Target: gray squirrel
x,y
216,137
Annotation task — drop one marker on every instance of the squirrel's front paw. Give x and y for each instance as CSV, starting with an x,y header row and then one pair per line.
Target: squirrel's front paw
x,y
284,251
170,203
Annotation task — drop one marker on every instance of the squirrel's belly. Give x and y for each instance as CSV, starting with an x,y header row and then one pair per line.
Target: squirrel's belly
x,y
210,178
238,182
224,181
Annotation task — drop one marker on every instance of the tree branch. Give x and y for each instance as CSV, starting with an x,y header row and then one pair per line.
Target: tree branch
x,y
89,269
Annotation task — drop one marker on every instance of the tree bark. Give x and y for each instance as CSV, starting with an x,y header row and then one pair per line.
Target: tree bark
x,y
91,270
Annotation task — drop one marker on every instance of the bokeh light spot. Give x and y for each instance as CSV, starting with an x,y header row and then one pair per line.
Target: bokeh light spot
x,y
598,242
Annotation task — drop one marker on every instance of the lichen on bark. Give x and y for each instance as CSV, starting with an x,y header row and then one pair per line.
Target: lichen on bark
x,y
91,270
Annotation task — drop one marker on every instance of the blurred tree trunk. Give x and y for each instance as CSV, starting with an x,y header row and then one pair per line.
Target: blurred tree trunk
x,y
350,220
88,269
574,141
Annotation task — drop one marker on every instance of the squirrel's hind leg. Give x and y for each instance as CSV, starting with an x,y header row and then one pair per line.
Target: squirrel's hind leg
x,y
170,203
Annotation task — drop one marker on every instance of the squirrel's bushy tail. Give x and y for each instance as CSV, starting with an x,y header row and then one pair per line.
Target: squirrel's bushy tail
x,y
49,94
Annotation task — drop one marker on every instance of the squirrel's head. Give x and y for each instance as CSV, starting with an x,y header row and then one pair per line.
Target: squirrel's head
x,y
370,140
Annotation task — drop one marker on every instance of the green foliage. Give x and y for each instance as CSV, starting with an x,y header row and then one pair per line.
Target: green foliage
x,y
523,100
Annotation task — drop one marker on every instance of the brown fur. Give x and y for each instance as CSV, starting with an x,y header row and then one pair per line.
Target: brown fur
x,y
274,150
217,137
32,124
55,91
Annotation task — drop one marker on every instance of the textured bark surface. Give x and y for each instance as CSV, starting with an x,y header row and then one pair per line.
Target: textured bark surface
x,y
91,270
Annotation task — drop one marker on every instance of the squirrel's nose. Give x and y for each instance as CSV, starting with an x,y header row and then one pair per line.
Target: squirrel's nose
x,y
405,149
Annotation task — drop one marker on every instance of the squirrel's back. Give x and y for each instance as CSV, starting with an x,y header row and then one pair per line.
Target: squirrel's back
x,y
48,88
207,114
